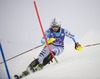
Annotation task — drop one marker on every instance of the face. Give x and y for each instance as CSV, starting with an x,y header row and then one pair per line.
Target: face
x,y
55,28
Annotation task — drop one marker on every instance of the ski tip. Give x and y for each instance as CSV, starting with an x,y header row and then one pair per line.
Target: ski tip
x,y
16,77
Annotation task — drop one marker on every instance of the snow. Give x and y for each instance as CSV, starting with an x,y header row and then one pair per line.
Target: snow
x,y
84,66
72,65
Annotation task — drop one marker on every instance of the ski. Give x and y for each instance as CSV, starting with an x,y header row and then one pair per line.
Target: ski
x,y
26,73
16,77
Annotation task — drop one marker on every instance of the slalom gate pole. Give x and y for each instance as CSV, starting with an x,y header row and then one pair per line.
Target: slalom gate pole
x,y
2,53
43,32
23,53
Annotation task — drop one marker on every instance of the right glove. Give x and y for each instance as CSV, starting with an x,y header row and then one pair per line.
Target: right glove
x,y
51,40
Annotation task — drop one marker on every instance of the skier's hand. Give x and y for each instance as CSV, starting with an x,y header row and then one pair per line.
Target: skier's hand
x,y
78,46
51,40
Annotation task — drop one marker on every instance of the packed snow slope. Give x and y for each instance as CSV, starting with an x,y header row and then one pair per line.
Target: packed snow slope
x,y
72,64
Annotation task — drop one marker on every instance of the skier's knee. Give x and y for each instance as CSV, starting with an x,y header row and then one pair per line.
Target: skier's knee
x,y
48,59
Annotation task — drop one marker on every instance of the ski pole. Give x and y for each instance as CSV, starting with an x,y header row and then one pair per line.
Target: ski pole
x,y
23,53
79,48
92,45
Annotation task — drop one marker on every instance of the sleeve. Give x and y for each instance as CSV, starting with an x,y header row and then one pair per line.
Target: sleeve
x,y
68,34
47,34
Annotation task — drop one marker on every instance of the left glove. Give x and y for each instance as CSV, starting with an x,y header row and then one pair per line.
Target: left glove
x,y
78,46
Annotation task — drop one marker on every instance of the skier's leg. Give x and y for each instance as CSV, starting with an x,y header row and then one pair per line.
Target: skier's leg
x,y
33,64
48,59
45,61
44,53
56,51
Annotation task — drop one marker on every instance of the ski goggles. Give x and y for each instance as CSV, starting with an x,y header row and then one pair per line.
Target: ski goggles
x,y
55,27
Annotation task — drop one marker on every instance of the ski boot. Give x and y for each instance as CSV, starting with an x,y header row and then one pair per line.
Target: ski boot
x,y
25,73
33,63
39,67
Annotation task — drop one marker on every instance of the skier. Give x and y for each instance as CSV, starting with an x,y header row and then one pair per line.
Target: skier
x,y
58,33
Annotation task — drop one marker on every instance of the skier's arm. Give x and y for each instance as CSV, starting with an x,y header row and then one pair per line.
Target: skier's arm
x,y
47,34
68,34
77,45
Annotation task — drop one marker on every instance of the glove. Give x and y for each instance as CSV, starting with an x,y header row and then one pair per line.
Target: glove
x,y
51,40
78,46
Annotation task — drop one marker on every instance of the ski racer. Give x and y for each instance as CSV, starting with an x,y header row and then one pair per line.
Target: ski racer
x,y
58,33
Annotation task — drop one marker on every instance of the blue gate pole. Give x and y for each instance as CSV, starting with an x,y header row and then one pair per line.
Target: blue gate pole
x,y
4,61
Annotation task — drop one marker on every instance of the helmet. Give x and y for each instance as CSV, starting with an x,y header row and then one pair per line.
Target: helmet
x,y
56,22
